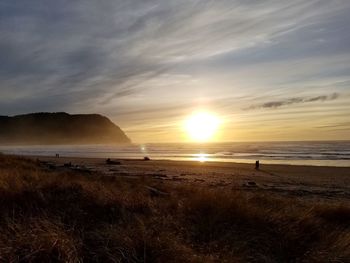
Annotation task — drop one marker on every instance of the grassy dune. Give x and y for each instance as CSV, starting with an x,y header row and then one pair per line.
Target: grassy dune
x,y
63,216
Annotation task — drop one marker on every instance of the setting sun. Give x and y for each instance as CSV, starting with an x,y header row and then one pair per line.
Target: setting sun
x,y
202,126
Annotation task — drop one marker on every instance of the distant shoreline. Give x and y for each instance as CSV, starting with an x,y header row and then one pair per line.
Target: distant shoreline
x,y
327,154
184,162
249,162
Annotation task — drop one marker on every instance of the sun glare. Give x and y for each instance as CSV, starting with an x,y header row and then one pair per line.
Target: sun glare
x,y
201,157
202,126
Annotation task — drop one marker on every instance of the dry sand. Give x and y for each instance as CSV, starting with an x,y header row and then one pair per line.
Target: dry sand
x,y
307,182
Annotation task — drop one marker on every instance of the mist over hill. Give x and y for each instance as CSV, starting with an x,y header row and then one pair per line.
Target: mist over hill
x,y
60,128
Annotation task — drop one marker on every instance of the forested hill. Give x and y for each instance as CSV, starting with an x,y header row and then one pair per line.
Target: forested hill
x,y
60,128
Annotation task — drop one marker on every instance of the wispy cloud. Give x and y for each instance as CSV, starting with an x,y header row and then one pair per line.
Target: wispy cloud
x,y
291,101
335,125
120,56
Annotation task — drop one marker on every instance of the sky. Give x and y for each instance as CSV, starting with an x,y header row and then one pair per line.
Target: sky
x,y
270,70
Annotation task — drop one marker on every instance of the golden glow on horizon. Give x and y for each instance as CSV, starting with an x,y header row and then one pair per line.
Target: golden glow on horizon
x,y
202,126
201,157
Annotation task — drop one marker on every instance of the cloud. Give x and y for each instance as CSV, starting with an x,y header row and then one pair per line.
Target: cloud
x,y
334,125
108,48
291,101
323,98
119,57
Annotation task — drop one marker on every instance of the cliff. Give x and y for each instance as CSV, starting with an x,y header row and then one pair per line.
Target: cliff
x,y
60,128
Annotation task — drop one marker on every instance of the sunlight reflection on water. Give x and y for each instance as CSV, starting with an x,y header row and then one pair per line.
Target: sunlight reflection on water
x,y
201,157
336,153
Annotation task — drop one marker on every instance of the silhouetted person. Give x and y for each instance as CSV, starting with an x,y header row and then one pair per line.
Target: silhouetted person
x,y
257,165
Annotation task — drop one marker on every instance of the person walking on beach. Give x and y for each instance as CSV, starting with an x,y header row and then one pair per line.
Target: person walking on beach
x,y
257,165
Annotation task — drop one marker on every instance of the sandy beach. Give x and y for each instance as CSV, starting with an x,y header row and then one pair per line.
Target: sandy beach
x,y
80,209
307,182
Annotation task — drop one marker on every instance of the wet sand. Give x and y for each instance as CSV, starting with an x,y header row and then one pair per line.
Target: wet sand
x,y
307,182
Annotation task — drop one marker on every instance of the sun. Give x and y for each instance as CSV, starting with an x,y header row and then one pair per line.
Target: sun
x,y
202,126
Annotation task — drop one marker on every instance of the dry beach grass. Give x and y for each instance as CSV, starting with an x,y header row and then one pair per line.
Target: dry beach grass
x,y
73,216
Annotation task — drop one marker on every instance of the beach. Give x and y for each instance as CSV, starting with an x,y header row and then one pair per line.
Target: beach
x,y
71,209
307,182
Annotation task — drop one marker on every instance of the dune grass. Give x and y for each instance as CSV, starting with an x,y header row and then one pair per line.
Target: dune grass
x,y
62,216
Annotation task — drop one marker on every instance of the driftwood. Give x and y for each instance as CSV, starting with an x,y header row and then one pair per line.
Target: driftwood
x,y
68,164
110,162
155,191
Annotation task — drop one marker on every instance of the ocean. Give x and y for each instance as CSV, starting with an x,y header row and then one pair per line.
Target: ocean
x,y
325,153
